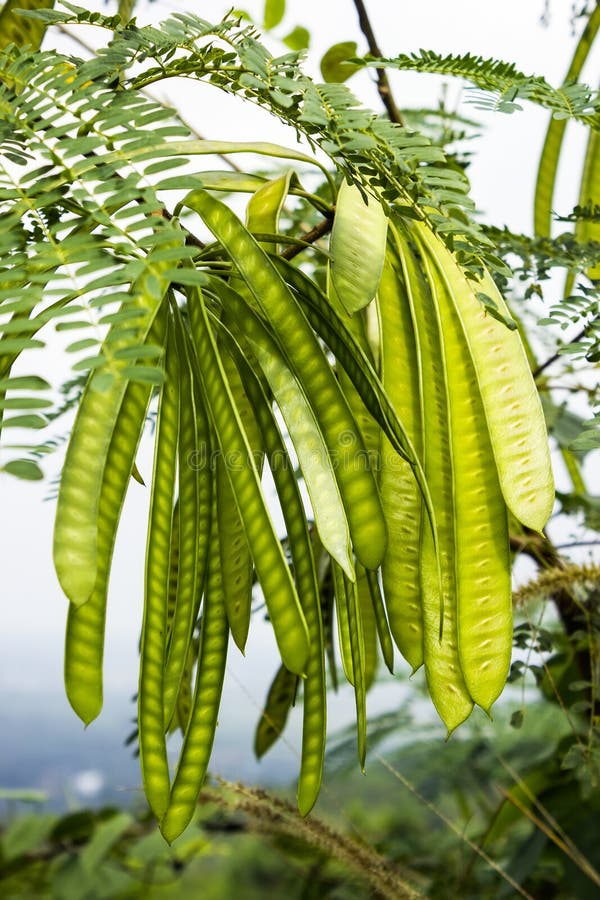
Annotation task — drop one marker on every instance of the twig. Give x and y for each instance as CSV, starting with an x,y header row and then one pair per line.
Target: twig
x,y
559,572
319,231
383,84
577,544
580,861
551,359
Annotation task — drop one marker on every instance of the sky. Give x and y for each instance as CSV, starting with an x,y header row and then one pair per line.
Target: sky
x,y
33,609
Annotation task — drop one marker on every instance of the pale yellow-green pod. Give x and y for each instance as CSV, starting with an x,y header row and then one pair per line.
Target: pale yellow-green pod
x,y
510,399
482,559
439,601
400,495
264,208
369,626
357,247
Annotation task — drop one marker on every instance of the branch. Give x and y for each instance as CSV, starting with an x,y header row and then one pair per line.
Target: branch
x,y
543,366
319,231
383,84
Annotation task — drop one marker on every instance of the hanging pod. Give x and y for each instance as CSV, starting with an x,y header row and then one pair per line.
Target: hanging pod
x,y
202,723
305,574
192,515
76,552
236,559
482,560
153,649
271,568
84,640
400,495
303,428
357,246
511,403
438,596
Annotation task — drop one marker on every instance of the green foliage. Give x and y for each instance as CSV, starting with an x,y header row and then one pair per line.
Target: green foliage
x,y
335,65
273,14
328,115
503,82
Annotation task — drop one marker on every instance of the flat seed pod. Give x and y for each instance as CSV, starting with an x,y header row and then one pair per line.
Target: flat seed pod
x,y
185,695
483,583
369,626
510,399
75,529
151,719
273,573
280,699
200,734
400,495
357,365
357,649
236,560
191,557
343,625
440,636
589,196
369,427
303,428
314,705
548,167
84,641
357,247
265,205
173,569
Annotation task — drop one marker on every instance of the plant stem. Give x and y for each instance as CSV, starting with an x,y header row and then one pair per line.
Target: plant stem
x,y
319,231
383,84
543,366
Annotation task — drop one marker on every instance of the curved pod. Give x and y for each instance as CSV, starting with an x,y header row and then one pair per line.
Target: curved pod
x,y
510,399
357,247
272,570
400,495
440,638
483,584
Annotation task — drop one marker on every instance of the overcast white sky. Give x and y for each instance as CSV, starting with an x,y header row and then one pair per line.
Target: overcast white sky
x,y
33,609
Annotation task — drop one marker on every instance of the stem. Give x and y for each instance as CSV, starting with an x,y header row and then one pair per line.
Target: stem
x,y
543,366
383,84
319,231
577,544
